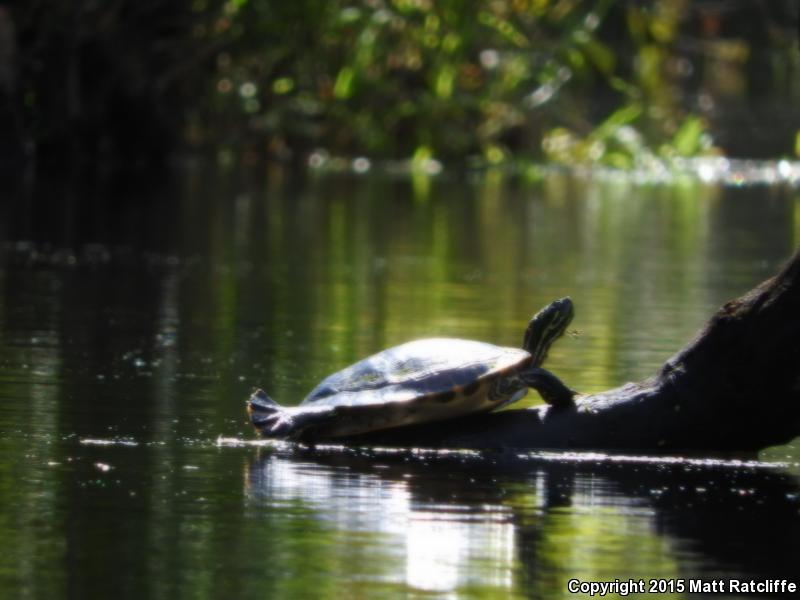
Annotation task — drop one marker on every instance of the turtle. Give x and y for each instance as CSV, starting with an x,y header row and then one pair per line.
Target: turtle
x,y
422,381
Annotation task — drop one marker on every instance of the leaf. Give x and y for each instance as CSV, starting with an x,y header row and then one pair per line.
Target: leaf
x,y
343,88
600,56
687,140
617,119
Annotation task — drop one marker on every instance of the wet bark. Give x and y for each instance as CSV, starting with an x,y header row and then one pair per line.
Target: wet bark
x,y
735,388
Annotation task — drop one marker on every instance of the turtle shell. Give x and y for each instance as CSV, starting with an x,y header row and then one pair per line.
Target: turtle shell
x,y
421,381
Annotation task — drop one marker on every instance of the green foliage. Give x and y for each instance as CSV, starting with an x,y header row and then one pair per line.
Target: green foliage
x,y
448,80
457,81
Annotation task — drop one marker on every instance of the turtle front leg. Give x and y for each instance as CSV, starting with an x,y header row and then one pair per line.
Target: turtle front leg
x,y
275,421
550,387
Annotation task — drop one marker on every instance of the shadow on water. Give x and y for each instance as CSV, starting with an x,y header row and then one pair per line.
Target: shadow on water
x,y
547,518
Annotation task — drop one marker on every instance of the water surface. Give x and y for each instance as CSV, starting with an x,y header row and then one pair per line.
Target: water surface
x,y
136,314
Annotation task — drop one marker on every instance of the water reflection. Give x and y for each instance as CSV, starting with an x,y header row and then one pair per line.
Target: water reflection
x,y
145,311
524,525
432,541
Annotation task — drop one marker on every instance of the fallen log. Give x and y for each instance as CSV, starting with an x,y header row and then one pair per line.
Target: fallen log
x,y
735,388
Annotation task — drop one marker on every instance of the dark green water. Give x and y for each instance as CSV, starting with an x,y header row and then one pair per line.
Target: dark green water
x,y
135,319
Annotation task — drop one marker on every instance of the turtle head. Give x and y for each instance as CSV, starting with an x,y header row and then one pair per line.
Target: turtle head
x,y
546,327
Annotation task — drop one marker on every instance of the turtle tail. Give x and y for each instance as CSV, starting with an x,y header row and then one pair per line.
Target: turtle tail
x,y
261,407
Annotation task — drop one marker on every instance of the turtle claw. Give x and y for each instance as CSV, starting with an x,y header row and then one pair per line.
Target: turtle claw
x,y
275,421
293,423
279,425
271,419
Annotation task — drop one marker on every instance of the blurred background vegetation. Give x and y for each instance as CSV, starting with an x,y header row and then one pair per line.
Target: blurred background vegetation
x,y
623,84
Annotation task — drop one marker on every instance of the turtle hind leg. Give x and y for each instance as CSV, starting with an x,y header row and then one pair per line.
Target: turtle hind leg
x,y
265,413
550,388
275,421
260,401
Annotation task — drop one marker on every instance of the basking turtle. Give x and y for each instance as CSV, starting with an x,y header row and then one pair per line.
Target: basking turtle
x,y
422,381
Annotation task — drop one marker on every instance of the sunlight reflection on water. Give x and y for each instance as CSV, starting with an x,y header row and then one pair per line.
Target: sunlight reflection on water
x,y
440,549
